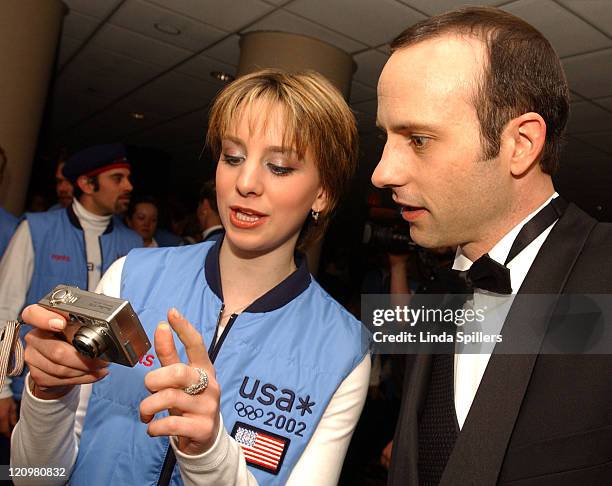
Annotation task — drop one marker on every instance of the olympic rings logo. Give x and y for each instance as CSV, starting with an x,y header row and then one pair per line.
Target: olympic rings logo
x,y
248,411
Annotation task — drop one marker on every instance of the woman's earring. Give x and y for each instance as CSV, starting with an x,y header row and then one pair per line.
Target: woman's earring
x,y
315,215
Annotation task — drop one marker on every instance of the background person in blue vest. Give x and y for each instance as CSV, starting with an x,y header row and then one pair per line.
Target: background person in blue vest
x,y
71,246
291,368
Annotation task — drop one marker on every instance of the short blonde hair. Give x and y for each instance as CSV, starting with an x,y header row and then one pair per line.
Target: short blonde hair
x,y
317,119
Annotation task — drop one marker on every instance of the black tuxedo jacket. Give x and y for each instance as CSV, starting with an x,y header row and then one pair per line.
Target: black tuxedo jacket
x,y
536,419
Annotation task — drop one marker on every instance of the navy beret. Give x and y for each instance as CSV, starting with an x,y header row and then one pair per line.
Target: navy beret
x,y
95,160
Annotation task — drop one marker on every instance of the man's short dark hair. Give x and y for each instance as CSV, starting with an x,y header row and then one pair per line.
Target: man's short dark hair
x,y
522,74
93,180
209,192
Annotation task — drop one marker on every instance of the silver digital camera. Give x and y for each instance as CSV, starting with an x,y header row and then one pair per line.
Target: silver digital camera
x,y
99,326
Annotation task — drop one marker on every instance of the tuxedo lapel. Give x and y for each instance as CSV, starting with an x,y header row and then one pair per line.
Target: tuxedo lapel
x,y
481,446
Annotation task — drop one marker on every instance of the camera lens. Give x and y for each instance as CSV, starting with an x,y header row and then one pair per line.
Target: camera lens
x,y
90,342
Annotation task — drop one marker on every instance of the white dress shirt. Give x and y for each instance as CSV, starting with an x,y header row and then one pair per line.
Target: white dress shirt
x,y
470,368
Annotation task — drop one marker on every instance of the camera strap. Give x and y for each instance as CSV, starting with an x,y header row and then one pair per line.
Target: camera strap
x,y
11,351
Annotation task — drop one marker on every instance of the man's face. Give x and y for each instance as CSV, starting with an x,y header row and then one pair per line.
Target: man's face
x,y
63,187
432,157
113,195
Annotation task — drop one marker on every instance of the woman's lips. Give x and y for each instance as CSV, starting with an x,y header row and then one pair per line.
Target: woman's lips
x,y
245,218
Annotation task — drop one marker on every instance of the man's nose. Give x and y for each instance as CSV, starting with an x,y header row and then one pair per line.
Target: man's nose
x,y
127,185
386,173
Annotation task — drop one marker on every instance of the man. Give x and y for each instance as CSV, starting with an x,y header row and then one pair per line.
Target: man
x,y
74,246
8,222
208,213
63,188
474,104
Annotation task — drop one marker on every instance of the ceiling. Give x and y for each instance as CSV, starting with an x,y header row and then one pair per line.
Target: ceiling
x,y
113,61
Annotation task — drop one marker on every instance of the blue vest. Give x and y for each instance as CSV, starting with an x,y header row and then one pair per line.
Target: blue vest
x,y
279,364
8,224
59,256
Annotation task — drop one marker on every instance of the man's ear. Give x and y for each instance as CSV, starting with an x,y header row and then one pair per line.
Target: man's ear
x,y
527,134
84,183
321,201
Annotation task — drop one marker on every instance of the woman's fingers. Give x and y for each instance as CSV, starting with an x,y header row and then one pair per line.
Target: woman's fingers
x,y
194,419
59,353
41,318
178,375
42,378
192,340
177,400
55,363
164,345
194,428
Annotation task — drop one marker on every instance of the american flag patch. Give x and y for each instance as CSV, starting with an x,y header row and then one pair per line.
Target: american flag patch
x,y
263,450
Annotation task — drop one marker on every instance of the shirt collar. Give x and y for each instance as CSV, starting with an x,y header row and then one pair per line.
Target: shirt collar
x,y
210,230
275,298
77,214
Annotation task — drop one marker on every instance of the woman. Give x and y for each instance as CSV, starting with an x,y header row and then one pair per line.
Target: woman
x,y
287,366
142,218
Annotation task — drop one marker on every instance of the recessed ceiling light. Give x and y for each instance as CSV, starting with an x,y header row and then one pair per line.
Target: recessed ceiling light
x,y
137,116
167,29
221,76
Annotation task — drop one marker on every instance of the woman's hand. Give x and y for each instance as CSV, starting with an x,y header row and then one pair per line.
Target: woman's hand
x,y
55,365
194,419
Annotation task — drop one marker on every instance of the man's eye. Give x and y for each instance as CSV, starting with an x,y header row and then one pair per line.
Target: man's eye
x,y
279,170
418,141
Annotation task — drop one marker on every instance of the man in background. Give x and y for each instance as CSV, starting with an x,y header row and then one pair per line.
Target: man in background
x,y
71,246
63,187
208,213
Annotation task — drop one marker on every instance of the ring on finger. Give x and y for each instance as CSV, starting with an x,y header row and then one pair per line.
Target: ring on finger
x,y
200,386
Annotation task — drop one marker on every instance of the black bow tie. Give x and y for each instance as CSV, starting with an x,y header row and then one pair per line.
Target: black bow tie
x,y
485,273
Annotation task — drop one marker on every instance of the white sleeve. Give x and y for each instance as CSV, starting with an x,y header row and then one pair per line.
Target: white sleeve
x,y
16,269
110,283
321,461
45,434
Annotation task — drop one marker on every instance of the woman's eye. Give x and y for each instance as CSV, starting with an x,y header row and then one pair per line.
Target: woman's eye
x,y
232,159
280,170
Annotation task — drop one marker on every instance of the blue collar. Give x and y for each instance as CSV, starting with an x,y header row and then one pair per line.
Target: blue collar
x,y
275,298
